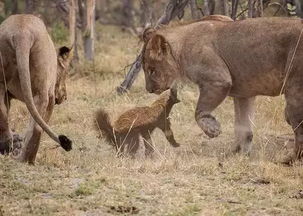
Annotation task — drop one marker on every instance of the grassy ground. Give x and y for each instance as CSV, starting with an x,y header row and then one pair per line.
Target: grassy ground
x,y
195,179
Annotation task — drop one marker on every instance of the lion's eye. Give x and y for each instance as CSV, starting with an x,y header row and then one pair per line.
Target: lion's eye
x,y
152,72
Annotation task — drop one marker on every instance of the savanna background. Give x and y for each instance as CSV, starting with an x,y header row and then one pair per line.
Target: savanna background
x,y
198,178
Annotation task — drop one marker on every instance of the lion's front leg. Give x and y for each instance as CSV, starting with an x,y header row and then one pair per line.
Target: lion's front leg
x,y
243,116
6,136
45,107
211,96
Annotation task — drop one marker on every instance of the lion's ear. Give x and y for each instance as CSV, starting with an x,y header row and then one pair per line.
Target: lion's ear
x,y
65,53
159,47
147,34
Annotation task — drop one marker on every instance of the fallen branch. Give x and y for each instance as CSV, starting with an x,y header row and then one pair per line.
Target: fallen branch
x,y
173,9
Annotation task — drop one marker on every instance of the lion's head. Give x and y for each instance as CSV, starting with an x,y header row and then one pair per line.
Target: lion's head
x,y
159,64
64,60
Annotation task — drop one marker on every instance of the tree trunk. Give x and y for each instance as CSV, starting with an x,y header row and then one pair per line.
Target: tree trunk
x,y
15,7
195,13
173,9
299,7
73,28
98,10
206,8
234,9
10,7
223,7
209,7
146,18
87,15
30,6
255,8
127,9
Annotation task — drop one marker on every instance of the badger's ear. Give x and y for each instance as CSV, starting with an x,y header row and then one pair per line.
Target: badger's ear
x,y
65,53
147,34
159,47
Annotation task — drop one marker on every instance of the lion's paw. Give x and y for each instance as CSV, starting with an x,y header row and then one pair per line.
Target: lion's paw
x,y
175,145
7,146
210,126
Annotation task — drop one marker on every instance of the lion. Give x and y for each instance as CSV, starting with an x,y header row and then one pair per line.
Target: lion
x,y
139,121
32,73
241,59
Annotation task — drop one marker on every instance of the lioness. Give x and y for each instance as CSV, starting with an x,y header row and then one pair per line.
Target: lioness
x,y
32,73
241,59
139,121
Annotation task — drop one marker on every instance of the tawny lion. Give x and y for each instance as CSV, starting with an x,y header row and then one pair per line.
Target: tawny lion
x,y
126,130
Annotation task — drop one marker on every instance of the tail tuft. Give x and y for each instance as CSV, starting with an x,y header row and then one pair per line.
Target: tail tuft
x,y
65,142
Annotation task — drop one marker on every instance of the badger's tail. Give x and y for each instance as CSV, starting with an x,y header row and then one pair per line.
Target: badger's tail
x,y
104,125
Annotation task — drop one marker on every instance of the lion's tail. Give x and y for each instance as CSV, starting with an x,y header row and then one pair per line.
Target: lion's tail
x,y
104,125
23,46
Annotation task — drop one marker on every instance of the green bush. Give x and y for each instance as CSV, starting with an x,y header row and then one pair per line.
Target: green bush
x,y
59,32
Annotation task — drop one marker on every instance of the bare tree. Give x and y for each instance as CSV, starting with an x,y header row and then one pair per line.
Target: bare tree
x,y
195,12
11,7
73,27
30,6
146,17
234,9
127,9
255,8
87,15
209,7
299,7
251,7
15,7
223,7
173,9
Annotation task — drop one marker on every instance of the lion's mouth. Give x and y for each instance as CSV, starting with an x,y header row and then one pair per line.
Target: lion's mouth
x,y
159,91
60,100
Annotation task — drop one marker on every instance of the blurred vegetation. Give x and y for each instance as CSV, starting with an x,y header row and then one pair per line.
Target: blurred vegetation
x,y
59,32
131,15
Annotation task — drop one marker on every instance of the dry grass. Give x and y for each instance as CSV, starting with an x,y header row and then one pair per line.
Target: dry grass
x,y
195,179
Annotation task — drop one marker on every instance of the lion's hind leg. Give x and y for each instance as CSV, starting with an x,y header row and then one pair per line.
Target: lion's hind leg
x,y
243,117
294,114
45,106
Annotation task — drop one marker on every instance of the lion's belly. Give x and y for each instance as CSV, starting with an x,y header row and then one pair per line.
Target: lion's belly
x,y
266,83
